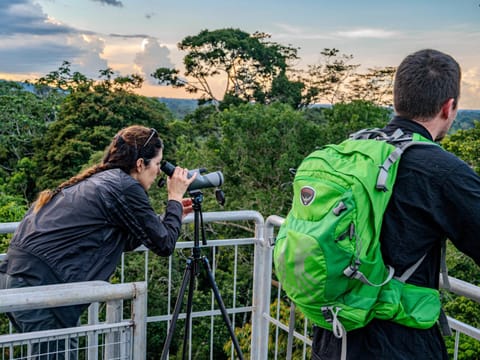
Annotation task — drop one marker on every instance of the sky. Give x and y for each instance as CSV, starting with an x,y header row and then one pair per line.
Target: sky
x,y
139,36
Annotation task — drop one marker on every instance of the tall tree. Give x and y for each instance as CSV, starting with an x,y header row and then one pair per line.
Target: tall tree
x,y
24,115
376,85
326,81
334,80
246,64
91,114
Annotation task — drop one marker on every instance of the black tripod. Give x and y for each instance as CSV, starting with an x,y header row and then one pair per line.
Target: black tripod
x,y
191,271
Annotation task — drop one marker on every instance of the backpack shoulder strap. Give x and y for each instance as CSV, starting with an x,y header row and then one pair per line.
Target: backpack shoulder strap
x,y
399,139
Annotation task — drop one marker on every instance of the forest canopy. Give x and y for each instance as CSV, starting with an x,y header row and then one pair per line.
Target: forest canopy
x,y
260,128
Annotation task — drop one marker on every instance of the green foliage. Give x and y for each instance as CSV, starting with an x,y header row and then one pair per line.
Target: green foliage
x,y
346,118
88,120
466,145
49,135
465,120
286,91
24,116
247,63
254,146
12,209
460,308
179,107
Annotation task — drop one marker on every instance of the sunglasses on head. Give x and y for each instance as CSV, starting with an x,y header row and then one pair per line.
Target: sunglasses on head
x,y
152,134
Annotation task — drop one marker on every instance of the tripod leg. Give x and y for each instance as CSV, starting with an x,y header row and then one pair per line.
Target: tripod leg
x,y
193,272
178,305
218,297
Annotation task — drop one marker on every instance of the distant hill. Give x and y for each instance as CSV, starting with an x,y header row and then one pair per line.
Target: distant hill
x,y
180,107
465,120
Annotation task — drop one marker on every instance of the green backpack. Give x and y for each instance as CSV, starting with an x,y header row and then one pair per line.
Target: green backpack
x,y
327,252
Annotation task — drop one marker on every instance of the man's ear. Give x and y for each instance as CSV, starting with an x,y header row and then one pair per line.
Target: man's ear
x,y
448,108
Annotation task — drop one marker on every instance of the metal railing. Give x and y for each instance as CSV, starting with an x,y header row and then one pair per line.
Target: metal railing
x,y
268,319
113,339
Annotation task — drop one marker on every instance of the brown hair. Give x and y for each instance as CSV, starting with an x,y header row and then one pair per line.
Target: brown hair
x,y
129,145
423,82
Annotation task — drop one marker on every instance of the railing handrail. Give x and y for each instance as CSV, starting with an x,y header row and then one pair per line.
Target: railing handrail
x,y
8,227
46,296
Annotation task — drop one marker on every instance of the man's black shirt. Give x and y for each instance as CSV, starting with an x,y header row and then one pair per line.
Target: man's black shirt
x,y
435,196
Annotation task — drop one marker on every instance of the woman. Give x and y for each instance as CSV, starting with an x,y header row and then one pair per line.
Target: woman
x,y
78,231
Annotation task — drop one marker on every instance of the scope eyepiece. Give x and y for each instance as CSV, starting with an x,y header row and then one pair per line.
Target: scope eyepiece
x,y
212,179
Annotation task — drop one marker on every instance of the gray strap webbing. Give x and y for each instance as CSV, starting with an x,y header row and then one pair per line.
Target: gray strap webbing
x,y
368,134
442,320
383,173
356,274
392,158
337,327
406,275
443,323
443,266
397,134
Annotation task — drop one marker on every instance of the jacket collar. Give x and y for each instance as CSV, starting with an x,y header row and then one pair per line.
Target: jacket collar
x,y
409,126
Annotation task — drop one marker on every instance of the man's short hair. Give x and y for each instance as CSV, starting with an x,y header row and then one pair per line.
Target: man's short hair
x,y
423,82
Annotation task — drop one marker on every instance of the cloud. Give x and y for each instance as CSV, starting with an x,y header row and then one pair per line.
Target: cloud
x,y
367,33
110,2
130,36
25,17
288,31
152,57
33,43
470,88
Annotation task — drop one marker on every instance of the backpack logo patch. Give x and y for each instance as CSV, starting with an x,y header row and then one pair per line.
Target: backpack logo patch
x,y
307,195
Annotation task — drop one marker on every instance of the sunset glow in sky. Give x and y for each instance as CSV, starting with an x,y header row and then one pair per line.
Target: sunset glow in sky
x,y
139,36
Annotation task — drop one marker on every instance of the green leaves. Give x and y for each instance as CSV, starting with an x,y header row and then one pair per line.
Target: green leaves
x,y
244,64
466,145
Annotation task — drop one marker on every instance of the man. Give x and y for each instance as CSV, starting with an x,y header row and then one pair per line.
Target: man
x,y
436,196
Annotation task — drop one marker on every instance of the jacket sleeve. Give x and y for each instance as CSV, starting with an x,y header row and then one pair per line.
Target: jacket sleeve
x,y
461,202
146,227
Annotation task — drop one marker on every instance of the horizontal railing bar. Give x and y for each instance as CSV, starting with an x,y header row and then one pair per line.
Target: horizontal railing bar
x,y
8,228
210,243
285,327
239,310
464,328
47,296
83,330
246,215
462,288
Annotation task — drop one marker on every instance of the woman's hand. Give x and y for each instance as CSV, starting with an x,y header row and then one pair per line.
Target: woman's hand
x,y
178,183
187,206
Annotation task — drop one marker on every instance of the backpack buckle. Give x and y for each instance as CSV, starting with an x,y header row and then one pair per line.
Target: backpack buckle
x,y
351,270
327,313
